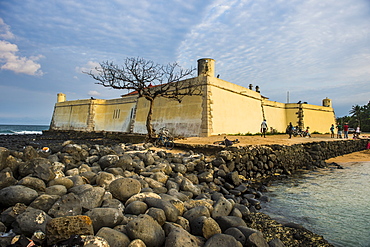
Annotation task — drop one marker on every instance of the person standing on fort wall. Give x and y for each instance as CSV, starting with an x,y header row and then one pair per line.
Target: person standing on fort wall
x,y
263,128
345,130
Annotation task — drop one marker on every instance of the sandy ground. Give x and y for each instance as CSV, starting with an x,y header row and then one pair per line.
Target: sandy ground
x,y
282,140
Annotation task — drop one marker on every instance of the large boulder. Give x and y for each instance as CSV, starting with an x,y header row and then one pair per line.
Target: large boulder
x,y
147,229
17,194
124,188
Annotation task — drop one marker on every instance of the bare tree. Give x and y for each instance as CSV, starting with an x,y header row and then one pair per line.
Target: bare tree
x,y
148,80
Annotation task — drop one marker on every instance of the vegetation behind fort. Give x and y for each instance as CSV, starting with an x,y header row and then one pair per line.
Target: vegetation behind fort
x,y
359,116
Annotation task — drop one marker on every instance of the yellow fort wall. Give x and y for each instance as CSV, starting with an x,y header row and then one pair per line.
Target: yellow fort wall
x,y
224,108
233,109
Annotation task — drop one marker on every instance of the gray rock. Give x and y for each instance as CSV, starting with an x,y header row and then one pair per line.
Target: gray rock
x,y
276,243
66,182
17,194
124,188
90,176
114,237
67,205
253,237
180,168
108,160
137,243
104,179
237,234
184,223
244,210
33,183
39,168
206,176
170,210
10,214
31,220
91,197
63,228
223,240
2,225
221,208
147,229
58,190
178,237
204,226
148,159
105,217
136,207
125,162
4,153
113,203
6,178
29,153
44,202
226,222
157,214
196,212
187,185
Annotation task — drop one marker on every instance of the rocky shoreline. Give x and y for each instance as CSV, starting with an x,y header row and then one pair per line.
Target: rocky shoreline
x,y
106,193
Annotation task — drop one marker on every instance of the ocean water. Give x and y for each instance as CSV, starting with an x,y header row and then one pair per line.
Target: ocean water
x,y
334,203
22,129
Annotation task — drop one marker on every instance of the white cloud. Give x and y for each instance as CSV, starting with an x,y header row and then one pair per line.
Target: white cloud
x,y
89,66
93,93
11,61
5,32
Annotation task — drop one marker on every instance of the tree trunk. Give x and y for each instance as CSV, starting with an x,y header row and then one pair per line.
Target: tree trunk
x,y
149,126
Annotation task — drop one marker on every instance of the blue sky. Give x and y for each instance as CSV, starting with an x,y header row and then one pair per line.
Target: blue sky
x,y
310,48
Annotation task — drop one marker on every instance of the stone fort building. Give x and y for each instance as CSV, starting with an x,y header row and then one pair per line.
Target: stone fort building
x,y
223,108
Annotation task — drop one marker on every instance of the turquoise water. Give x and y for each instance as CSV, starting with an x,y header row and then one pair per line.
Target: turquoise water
x,y
334,203
22,129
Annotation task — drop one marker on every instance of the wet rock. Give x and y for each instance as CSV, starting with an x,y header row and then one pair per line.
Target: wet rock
x,y
147,229
178,237
67,205
62,228
30,221
17,194
223,240
114,237
124,188
204,226
44,202
105,217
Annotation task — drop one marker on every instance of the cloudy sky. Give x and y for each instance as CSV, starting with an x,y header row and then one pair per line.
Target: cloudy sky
x,y
310,48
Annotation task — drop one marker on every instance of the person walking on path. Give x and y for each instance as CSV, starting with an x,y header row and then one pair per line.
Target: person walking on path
x,y
290,130
332,131
263,128
345,130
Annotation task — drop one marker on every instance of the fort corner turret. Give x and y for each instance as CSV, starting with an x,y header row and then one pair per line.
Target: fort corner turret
x,y
206,67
